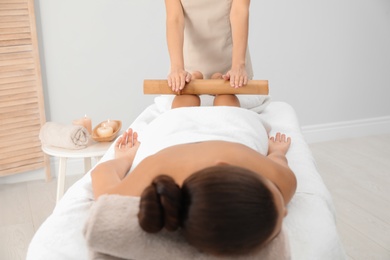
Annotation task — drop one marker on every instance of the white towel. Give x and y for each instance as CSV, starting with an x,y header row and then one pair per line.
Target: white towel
x,y
112,232
64,136
199,124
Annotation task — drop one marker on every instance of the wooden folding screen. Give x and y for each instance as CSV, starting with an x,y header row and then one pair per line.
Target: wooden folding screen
x,y
21,99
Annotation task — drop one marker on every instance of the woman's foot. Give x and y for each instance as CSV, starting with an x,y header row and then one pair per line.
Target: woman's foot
x,y
217,75
186,101
197,75
226,100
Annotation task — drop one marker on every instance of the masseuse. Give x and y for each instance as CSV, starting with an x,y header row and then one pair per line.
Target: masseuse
x,y
227,198
208,36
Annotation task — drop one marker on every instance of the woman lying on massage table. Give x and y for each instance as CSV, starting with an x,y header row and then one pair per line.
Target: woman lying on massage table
x,y
226,203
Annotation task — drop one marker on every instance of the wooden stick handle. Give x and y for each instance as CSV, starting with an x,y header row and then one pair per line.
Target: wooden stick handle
x,y
207,86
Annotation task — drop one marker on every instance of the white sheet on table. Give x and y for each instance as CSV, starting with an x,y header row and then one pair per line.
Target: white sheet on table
x,y
199,124
310,223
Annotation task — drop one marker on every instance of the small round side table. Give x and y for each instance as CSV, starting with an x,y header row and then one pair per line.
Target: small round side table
x,y
95,149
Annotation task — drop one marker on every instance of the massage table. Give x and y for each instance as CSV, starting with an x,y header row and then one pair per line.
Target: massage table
x,y
310,224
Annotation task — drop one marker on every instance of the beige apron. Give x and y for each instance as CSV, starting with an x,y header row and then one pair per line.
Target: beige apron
x,y
208,37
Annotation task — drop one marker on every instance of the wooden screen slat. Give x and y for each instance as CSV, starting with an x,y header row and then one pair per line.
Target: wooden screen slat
x,y
17,79
16,145
15,18
12,6
19,131
23,168
15,36
6,63
23,142
4,31
13,91
21,96
12,24
37,149
18,96
16,56
15,42
14,1
17,125
12,12
15,49
18,73
20,102
20,157
32,118
11,109
17,67
32,150
15,166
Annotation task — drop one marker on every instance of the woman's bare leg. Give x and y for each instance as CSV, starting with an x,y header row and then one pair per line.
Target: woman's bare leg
x,y
225,100
188,100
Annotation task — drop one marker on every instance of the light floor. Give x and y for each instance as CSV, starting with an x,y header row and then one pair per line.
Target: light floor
x,y
356,171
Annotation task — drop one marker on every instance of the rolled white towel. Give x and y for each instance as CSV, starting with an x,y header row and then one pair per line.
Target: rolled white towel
x,y
64,136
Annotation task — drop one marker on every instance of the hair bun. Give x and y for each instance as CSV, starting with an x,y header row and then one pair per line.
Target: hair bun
x,y
160,205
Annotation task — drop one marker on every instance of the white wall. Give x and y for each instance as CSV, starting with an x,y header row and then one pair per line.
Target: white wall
x,y
96,54
329,59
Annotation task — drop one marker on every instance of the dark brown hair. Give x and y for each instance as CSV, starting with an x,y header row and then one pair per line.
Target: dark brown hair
x,y
222,210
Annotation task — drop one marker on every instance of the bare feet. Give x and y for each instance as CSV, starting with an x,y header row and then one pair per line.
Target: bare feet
x,y
217,75
224,100
186,101
197,75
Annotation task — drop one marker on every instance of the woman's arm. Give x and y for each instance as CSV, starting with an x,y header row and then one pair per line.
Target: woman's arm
x,y
239,20
110,173
284,178
175,37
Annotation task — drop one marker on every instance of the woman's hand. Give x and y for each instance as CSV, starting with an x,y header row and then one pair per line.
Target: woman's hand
x,y
279,144
177,79
127,145
238,76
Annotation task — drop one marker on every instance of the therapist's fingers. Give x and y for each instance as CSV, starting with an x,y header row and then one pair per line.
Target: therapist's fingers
x,y
226,76
237,81
188,77
183,79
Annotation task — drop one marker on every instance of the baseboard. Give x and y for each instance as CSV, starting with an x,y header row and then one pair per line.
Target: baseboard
x,y
346,129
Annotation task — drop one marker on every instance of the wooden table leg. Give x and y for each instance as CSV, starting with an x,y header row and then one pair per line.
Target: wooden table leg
x,y
87,164
61,178
46,160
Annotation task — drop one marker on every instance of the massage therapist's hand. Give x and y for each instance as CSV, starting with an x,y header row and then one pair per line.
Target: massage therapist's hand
x,y
127,145
177,79
237,76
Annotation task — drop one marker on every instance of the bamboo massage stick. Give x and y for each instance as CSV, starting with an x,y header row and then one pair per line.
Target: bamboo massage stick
x,y
207,86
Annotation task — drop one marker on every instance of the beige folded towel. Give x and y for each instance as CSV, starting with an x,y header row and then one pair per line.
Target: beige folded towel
x,y
112,232
64,136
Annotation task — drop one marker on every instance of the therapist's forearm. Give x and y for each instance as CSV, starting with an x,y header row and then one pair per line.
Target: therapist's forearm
x,y
175,39
239,19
